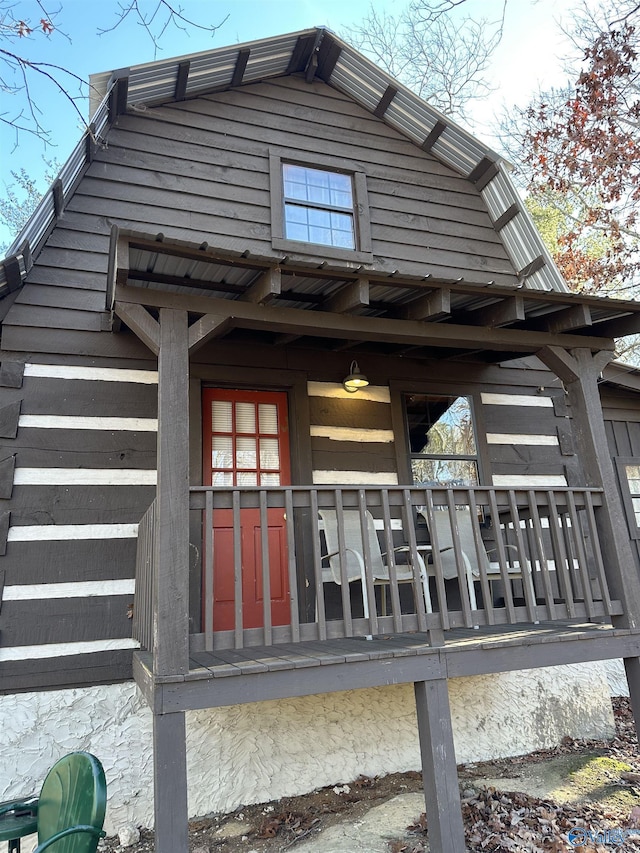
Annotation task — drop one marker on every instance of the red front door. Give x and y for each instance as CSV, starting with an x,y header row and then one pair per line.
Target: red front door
x,y
246,443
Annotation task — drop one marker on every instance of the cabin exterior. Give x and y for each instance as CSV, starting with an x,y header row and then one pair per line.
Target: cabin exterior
x,y
194,501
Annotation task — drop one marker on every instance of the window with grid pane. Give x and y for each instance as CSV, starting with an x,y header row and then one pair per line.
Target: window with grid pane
x,y
318,206
245,447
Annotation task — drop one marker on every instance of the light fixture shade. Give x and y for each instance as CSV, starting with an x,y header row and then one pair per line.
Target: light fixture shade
x,y
355,380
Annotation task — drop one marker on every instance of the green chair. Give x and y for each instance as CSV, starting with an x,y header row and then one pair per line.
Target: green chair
x,y
69,812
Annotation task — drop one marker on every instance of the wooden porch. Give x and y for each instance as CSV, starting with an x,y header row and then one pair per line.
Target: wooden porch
x,y
538,595
547,576
439,559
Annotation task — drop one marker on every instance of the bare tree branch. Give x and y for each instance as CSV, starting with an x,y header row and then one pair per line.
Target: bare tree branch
x,y
443,59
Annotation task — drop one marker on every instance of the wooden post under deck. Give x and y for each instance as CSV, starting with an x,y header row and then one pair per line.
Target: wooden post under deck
x,y
170,776
445,828
580,370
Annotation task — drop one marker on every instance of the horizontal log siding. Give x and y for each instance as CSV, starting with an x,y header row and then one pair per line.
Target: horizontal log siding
x,y
357,456
531,440
70,546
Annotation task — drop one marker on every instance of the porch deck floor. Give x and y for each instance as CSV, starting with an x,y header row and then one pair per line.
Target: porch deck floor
x,y
235,676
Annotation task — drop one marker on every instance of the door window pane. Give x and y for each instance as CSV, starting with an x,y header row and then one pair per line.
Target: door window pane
x,y
268,418
245,417
246,456
221,451
269,453
221,416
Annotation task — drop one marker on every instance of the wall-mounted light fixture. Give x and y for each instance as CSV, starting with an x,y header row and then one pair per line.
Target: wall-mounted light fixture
x,y
355,380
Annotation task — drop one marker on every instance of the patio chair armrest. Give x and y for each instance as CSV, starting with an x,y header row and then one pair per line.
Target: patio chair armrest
x,y
359,559
72,830
23,807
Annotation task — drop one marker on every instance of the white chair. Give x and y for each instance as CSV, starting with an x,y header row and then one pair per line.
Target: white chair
x,y
472,561
354,550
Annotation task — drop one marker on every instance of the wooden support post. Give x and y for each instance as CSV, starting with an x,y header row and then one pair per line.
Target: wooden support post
x,y
170,783
580,371
632,669
171,605
439,774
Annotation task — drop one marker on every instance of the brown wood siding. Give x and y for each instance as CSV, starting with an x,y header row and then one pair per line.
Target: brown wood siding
x,y
200,170
59,562
66,671
623,436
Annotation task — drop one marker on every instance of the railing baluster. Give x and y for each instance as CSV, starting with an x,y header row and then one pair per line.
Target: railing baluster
x,y
481,555
237,570
391,562
539,549
266,568
464,580
525,559
437,560
291,560
597,553
502,559
581,554
409,527
317,565
344,575
564,571
207,570
369,586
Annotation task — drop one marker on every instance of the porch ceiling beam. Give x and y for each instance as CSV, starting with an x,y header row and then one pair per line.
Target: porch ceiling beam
x,y
433,306
265,288
576,317
207,327
502,313
619,326
285,340
350,297
301,322
141,324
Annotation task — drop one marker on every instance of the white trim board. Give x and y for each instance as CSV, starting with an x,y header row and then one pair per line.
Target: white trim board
x,y
71,422
354,478
84,477
517,438
80,532
58,650
382,436
91,374
372,393
83,589
492,399
533,481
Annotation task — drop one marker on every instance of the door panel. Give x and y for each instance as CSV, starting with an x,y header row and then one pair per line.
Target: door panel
x,y
246,443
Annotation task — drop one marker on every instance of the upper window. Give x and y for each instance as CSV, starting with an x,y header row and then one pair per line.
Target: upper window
x,y
441,440
318,206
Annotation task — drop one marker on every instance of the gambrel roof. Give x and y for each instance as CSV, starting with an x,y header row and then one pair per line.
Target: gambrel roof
x,y
317,54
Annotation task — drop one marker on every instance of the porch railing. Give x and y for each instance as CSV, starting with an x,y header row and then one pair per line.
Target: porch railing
x,y
502,556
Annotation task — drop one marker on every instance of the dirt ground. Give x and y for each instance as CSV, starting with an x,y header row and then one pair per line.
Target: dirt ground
x,y
524,804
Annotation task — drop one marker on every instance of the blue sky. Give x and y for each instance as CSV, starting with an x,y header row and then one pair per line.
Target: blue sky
x,y
528,57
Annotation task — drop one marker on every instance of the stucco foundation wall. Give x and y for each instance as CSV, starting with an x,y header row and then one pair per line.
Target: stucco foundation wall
x,y
253,753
